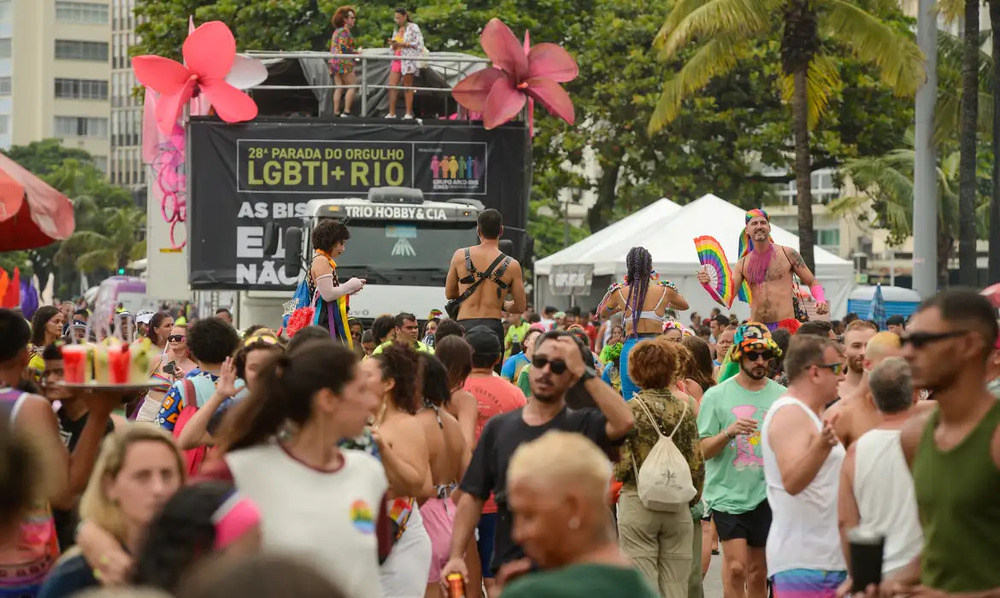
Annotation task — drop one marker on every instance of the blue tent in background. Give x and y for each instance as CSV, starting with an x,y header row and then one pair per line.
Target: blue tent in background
x,y
895,301
876,312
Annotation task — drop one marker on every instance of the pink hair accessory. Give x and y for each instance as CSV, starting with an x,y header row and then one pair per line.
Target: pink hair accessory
x,y
234,518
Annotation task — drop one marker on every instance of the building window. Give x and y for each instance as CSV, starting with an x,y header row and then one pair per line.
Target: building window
x,y
81,126
5,86
82,89
77,50
828,237
5,11
4,124
82,12
101,162
5,47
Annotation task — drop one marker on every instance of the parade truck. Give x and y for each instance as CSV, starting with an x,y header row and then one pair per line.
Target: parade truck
x,y
409,191
401,244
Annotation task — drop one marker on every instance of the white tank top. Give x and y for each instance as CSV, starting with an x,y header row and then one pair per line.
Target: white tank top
x,y
804,532
883,488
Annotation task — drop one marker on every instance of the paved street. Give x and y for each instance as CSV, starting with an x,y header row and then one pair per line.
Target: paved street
x,y
713,581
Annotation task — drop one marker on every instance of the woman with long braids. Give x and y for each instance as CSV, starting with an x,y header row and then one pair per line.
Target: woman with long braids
x,y
644,307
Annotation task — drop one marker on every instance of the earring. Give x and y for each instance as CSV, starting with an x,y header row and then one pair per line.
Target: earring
x,y
574,523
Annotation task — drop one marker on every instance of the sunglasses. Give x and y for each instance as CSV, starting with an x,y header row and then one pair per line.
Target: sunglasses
x,y
755,355
558,366
922,339
176,338
833,367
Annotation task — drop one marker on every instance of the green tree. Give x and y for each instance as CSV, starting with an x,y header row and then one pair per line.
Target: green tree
x,y
105,216
809,32
885,191
46,156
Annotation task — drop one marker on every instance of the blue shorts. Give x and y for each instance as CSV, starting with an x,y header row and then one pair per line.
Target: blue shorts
x,y
807,583
487,535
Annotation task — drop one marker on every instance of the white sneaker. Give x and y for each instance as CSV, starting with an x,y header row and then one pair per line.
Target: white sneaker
x,y
345,115
390,116
408,116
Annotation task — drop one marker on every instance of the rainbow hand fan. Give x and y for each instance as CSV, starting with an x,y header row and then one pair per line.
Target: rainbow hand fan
x,y
720,285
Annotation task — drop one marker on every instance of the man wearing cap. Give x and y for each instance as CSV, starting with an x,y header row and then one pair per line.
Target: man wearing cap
x,y
728,423
767,268
481,277
142,320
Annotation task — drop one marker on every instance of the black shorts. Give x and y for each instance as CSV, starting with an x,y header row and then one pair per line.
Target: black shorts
x,y
751,526
492,323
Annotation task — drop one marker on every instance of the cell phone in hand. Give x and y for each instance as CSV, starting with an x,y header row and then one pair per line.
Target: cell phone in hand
x,y
170,368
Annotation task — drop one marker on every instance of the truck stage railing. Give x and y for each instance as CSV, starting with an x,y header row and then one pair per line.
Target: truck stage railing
x,y
452,67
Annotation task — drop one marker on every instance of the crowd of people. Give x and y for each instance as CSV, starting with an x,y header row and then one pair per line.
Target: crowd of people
x,y
526,454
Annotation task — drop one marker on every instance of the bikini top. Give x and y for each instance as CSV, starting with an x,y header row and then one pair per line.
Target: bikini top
x,y
649,314
494,272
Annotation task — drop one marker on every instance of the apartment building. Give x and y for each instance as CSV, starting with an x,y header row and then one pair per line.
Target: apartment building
x,y
125,166
54,72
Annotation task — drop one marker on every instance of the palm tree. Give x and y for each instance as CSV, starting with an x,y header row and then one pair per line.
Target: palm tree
x,y
885,192
967,269
116,244
808,29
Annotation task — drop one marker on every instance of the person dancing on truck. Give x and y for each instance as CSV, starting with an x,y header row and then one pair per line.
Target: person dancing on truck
x,y
342,69
407,42
481,277
329,240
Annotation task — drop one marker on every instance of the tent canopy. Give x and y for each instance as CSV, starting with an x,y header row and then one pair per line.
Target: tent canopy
x,y
32,214
613,240
670,240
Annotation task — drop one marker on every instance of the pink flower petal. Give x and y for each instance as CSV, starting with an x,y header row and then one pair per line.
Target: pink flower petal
x,y
503,103
231,104
161,74
552,62
169,106
553,97
472,91
210,50
503,48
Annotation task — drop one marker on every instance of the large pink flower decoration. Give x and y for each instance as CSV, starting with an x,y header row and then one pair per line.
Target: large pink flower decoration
x,y
501,92
209,53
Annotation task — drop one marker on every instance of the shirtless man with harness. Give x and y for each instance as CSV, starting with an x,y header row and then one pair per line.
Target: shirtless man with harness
x,y
768,269
477,295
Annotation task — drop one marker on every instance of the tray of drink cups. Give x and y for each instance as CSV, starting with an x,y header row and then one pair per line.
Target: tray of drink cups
x,y
109,365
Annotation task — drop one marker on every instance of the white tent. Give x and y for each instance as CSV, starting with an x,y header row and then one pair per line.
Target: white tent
x,y
670,241
612,240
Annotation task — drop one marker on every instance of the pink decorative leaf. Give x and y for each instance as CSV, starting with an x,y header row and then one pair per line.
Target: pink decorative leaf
x,y
503,103
472,91
231,104
161,74
210,50
169,106
503,48
553,97
552,62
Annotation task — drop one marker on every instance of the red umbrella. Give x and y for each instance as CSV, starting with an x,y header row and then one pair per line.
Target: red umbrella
x,y
992,293
32,214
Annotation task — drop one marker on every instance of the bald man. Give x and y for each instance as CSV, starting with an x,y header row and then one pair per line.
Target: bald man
x,y
856,413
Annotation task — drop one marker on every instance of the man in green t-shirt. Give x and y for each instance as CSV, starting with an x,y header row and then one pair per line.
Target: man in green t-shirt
x,y
728,422
516,327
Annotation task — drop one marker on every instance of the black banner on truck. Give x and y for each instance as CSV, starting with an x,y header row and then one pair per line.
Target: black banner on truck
x,y
242,176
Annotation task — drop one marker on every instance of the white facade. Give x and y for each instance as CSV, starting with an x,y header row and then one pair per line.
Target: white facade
x,y
54,73
125,167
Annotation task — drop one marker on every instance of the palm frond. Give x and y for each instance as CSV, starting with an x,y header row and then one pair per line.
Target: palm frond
x,y
717,57
677,14
848,205
897,56
138,251
951,10
821,82
718,17
97,258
